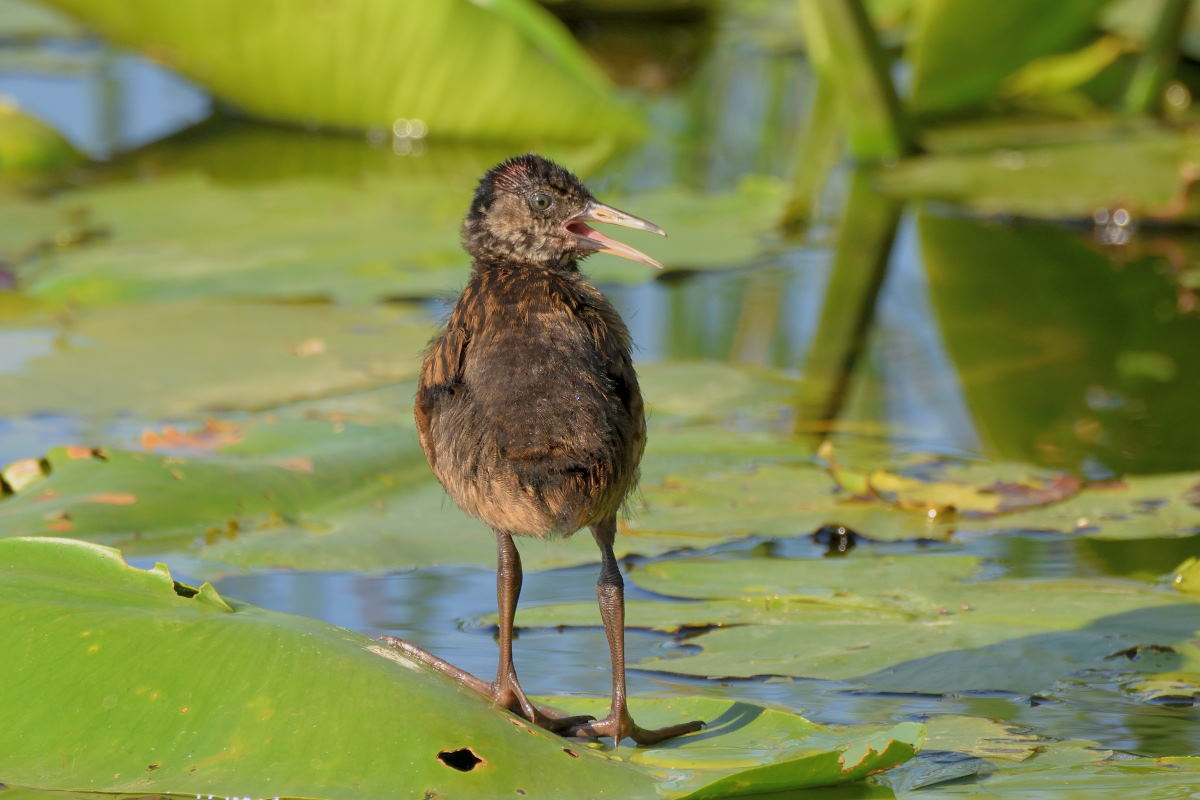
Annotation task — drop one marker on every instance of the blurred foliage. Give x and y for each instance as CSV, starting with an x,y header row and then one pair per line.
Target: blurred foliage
x,y
961,52
29,147
269,214
511,68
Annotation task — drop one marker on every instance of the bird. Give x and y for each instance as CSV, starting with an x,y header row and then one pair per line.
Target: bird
x,y
528,407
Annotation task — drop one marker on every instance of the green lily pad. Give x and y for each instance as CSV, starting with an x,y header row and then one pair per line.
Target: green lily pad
x,y
1141,507
425,65
163,688
1147,175
308,490
189,235
1085,778
904,623
178,359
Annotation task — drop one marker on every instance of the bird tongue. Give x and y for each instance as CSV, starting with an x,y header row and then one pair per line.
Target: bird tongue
x,y
604,244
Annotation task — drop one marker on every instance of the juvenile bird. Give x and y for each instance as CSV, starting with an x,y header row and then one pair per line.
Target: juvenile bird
x,y
528,407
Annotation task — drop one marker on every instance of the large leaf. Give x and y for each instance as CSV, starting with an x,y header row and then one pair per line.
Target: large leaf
x,y
905,623
339,484
175,359
1146,174
499,70
957,62
122,680
390,234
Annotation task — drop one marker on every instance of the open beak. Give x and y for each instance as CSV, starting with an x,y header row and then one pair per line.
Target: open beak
x,y
593,239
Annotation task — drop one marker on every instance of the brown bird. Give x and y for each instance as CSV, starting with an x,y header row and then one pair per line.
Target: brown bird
x,y
528,406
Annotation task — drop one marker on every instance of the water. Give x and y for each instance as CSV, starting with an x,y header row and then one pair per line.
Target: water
x,y
994,340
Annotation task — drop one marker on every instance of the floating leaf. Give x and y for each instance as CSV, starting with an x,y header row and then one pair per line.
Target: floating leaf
x,y
1147,175
177,359
309,490
944,486
393,233
162,688
1141,507
904,623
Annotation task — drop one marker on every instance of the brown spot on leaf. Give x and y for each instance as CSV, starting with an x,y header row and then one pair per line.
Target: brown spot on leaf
x,y
309,347
49,494
76,452
60,525
113,498
298,464
215,433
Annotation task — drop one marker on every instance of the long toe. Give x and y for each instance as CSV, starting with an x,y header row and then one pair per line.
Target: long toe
x,y
560,725
623,727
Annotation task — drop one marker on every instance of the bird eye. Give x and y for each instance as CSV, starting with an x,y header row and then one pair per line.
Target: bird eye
x,y
540,201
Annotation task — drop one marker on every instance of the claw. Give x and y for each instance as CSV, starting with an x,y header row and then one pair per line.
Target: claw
x,y
622,726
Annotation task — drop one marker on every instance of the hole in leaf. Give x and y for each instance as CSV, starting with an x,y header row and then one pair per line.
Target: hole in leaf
x,y
183,590
463,760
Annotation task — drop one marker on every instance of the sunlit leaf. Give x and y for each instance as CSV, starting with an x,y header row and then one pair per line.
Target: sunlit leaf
x,y
905,623
955,62
499,70
1147,175
163,688
391,234
176,359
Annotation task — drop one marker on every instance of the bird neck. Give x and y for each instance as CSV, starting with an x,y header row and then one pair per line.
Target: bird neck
x,y
568,267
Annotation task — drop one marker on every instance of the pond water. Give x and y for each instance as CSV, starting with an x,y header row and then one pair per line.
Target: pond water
x,y
982,339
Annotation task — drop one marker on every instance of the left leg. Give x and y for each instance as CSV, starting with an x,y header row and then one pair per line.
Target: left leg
x,y
610,592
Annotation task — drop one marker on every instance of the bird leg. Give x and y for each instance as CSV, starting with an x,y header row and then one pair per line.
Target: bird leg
x,y
610,591
506,690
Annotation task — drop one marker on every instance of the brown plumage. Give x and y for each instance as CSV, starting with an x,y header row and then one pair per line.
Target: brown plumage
x,y
528,406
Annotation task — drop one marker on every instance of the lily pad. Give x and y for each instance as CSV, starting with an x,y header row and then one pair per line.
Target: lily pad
x,y
904,623
1139,507
183,358
166,689
1146,175
308,490
190,235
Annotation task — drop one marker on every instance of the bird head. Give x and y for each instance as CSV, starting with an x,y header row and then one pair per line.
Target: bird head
x,y
529,210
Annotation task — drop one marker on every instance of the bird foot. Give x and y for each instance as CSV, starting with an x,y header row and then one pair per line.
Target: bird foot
x,y
507,694
621,726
